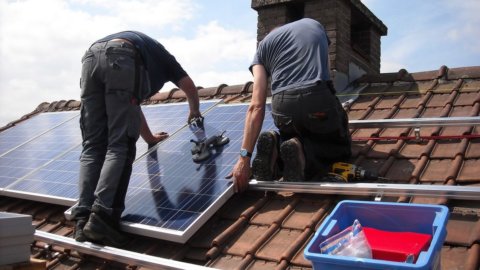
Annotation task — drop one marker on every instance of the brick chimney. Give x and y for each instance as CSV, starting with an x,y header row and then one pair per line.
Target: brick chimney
x,y
352,28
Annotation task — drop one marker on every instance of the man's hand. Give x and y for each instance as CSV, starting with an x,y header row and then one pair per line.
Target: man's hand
x,y
156,138
196,119
241,174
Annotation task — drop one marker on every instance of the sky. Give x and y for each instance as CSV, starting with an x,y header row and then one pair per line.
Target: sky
x,y
42,41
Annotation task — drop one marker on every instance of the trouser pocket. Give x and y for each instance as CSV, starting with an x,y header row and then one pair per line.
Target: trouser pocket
x,y
284,123
321,113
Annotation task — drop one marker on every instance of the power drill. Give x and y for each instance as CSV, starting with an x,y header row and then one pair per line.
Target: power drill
x,y
346,172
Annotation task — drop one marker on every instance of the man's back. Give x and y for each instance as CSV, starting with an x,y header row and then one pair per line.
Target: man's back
x,y
295,55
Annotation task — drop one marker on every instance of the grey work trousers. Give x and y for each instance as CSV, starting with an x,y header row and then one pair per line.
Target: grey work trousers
x,y
110,120
317,118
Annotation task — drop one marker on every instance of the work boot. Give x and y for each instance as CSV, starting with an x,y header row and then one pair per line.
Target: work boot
x,y
291,152
264,163
98,230
78,231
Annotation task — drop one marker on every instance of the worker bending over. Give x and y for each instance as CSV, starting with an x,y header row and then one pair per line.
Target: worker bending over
x,y
118,73
312,124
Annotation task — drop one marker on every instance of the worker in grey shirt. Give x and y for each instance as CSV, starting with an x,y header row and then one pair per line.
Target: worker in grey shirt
x,y
118,73
313,127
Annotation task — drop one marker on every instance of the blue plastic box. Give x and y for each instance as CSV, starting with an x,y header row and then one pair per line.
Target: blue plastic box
x,y
394,217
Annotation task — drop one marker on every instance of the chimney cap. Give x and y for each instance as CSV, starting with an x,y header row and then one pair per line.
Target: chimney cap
x,y
259,4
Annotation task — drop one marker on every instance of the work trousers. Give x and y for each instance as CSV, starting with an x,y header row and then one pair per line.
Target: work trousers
x,y
110,120
317,118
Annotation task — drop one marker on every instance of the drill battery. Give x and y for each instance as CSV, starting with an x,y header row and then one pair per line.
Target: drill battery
x,y
346,172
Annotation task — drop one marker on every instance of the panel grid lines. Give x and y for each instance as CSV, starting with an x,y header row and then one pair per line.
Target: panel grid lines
x,y
169,191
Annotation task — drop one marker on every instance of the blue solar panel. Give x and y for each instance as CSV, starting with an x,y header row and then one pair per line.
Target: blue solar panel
x,y
168,118
170,196
24,159
50,177
55,182
31,128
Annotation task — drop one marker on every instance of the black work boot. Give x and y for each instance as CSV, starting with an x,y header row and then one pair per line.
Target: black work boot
x,y
264,163
100,231
291,152
78,231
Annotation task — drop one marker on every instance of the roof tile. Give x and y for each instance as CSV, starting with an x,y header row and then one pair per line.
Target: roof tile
x,y
473,149
257,230
383,149
415,149
363,102
438,100
469,172
306,214
464,72
436,170
299,259
446,149
401,170
244,241
273,212
279,244
463,229
227,262
411,101
389,101
464,99
356,114
471,86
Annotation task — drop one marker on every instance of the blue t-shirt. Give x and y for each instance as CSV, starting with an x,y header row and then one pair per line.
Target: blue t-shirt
x,y
161,66
295,55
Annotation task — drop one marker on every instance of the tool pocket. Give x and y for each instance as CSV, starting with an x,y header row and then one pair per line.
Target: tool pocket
x,y
120,73
321,113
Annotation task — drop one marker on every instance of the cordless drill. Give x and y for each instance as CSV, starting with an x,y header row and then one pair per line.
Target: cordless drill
x,y
346,172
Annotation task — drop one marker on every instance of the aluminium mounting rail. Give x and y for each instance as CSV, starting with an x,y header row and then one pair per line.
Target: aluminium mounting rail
x,y
114,254
370,189
415,122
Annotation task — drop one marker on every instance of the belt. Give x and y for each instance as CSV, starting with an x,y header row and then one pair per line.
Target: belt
x,y
309,89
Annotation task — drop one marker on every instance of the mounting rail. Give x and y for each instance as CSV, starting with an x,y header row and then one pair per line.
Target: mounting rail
x,y
370,189
415,122
114,254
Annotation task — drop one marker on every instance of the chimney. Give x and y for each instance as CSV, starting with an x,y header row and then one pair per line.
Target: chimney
x,y
352,28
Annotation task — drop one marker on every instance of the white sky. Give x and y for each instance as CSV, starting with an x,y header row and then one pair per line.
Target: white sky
x,y
42,41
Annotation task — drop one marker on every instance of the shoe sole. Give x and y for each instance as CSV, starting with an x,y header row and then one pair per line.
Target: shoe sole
x,y
262,163
292,171
103,238
78,234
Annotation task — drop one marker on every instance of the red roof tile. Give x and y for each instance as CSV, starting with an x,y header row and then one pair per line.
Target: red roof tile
x,y
257,230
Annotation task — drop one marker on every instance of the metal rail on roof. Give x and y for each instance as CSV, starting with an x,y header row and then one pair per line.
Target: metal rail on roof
x,y
415,122
114,254
370,189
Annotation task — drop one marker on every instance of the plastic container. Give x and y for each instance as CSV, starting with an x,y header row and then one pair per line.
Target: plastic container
x,y
392,217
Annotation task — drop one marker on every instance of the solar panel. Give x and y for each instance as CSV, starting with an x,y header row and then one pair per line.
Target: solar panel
x,y
31,128
52,177
170,196
35,153
56,182
168,118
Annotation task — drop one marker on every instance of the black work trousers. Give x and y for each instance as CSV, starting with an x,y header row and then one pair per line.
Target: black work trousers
x,y
317,118
110,122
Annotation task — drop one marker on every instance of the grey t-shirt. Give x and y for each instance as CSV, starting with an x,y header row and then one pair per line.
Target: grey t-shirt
x,y
295,55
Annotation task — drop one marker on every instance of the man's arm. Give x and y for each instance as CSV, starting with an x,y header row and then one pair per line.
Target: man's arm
x,y
147,135
253,125
188,87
